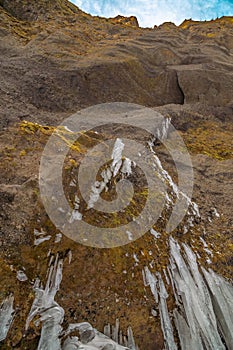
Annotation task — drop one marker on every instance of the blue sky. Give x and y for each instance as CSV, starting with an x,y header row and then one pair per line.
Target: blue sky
x,y
151,12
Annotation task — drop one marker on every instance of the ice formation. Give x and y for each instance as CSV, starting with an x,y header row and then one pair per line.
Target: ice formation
x,y
54,337
117,156
58,238
21,276
162,131
174,193
204,313
75,215
118,166
202,317
91,339
155,233
44,305
40,237
6,316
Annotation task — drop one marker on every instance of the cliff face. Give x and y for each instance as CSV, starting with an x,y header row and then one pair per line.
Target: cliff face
x,y
61,59
56,60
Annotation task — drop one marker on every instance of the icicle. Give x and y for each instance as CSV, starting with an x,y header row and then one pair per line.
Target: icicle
x,y
107,330
75,215
69,256
150,280
116,331
117,156
222,299
127,167
186,339
196,300
107,174
205,315
40,240
51,317
6,316
58,238
99,342
131,342
155,233
165,318
44,305
176,193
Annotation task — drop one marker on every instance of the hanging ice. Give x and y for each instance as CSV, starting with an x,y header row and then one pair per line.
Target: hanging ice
x,y
127,167
44,305
166,323
91,339
155,233
222,300
6,316
205,303
117,156
174,193
40,237
196,299
51,316
75,215
150,280
58,238
124,168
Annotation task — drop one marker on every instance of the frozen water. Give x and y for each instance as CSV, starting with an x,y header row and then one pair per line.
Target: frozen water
x,y
6,316
21,276
155,233
196,299
40,240
58,238
44,305
75,215
118,166
174,192
204,318
51,316
127,167
40,237
150,280
117,156
222,300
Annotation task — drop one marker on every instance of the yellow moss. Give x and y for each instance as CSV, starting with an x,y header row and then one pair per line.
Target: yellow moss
x,y
61,132
10,148
73,162
31,128
210,139
22,153
211,35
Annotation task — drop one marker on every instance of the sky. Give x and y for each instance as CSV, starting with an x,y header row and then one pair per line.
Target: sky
x,y
151,12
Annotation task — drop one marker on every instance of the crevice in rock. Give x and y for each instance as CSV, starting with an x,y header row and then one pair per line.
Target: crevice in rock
x,y
180,89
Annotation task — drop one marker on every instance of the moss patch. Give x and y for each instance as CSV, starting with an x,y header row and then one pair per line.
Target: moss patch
x,y
211,139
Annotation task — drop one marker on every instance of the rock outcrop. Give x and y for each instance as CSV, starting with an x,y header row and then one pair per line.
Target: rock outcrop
x,y
129,21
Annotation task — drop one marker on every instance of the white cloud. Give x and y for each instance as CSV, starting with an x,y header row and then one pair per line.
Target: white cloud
x,y
151,12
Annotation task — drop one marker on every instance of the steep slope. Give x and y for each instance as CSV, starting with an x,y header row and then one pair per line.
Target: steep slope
x,y
62,59
56,60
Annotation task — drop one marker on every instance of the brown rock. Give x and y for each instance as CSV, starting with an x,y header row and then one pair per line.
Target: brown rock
x,y
129,21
